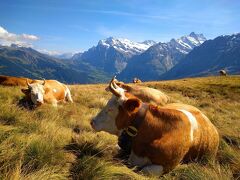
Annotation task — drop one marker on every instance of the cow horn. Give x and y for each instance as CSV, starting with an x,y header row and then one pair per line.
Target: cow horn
x,y
117,91
27,82
44,81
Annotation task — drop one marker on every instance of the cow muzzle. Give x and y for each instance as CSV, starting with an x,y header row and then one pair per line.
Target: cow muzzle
x,y
38,102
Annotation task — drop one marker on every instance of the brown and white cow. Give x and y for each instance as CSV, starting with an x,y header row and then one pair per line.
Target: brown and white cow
x,y
164,136
47,91
144,93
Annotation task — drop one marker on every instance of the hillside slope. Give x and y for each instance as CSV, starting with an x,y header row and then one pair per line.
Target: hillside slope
x,y
58,143
27,62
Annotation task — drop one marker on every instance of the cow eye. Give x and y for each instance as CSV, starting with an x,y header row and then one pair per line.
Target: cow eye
x,y
108,110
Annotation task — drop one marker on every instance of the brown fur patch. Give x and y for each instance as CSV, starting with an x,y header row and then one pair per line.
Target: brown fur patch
x,y
14,81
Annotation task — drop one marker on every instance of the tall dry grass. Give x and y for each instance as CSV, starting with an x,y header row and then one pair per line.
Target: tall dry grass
x,y
59,143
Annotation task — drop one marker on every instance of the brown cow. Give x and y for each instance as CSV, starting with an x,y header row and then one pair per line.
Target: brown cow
x,y
14,81
47,91
162,137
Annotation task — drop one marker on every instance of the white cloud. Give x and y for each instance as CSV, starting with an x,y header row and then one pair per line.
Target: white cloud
x,y
7,38
48,52
57,53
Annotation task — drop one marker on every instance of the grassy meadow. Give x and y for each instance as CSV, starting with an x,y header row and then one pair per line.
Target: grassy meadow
x,y
59,143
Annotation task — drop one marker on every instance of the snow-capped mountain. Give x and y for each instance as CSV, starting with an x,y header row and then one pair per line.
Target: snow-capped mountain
x,y
160,58
222,52
112,54
186,43
149,42
126,46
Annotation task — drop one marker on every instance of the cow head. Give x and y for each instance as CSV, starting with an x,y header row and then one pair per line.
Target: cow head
x,y
118,112
35,92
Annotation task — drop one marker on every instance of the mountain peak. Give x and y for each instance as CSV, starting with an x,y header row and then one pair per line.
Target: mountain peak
x,y
126,45
200,37
186,43
149,42
193,34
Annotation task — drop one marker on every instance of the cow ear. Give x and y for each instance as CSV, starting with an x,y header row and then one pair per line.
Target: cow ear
x,y
25,91
132,105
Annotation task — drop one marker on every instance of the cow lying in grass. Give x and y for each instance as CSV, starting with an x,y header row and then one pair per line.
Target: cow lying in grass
x,y
47,91
146,94
162,137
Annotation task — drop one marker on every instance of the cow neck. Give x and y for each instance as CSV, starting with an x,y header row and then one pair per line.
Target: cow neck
x,y
133,128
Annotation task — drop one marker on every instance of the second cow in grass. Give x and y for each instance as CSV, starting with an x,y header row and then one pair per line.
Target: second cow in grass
x,y
146,94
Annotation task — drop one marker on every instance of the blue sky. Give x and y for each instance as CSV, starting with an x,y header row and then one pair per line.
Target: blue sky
x,y
75,25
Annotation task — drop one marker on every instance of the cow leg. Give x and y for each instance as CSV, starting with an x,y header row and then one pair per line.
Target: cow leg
x,y
156,170
138,161
148,167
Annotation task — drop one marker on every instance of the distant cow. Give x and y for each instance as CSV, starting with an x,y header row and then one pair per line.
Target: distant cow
x,y
47,91
223,72
136,80
161,136
13,81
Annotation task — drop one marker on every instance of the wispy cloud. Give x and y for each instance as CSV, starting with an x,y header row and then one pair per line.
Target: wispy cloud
x,y
7,38
123,13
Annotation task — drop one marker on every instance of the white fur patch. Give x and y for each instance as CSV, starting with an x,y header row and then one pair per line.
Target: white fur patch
x,y
105,119
54,90
192,120
156,170
138,161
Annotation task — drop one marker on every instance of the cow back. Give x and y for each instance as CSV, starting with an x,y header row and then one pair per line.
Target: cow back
x,y
54,89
